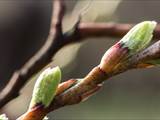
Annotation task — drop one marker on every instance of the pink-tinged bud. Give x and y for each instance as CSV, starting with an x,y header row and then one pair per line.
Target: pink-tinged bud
x,y
134,41
112,57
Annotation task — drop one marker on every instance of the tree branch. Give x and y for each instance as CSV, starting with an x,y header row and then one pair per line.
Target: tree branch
x,y
150,53
97,77
86,30
75,92
56,40
39,60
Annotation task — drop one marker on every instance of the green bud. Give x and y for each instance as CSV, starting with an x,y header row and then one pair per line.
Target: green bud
x,y
3,117
45,87
139,36
134,41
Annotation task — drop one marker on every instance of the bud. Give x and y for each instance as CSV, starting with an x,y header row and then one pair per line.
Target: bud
x,y
139,36
3,117
45,87
134,41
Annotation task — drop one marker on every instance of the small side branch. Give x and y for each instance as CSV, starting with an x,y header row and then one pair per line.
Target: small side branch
x,y
86,30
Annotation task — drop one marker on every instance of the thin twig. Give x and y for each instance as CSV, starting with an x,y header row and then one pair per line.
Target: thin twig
x,y
39,60
81,31
108,30
150,53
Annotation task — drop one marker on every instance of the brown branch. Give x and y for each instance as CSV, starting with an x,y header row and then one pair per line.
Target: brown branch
x,y
150,53
39,60
81,31
98,76
109,29
56,40
77,93
74,92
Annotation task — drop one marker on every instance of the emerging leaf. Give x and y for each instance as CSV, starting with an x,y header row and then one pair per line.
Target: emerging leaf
x,y
139,36
134,41
45,87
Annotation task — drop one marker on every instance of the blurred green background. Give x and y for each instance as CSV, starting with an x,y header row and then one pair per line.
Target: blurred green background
x,y
24,26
